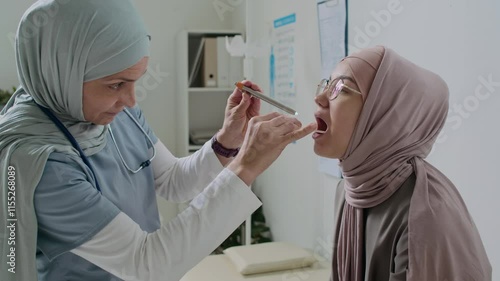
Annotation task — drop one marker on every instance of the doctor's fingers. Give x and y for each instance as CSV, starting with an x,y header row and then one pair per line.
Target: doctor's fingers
x,y
250,84
301,132
262,118
282,126
283,119
273,119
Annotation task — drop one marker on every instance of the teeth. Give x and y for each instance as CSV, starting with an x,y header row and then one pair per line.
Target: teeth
x,y
320,132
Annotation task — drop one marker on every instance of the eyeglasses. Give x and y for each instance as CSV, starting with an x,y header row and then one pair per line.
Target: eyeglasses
x,y
333,88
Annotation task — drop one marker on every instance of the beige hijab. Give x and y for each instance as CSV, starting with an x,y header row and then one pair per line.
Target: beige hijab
x,y
405,108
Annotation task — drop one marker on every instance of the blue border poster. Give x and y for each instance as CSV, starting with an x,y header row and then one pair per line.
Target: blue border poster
x,y
282,60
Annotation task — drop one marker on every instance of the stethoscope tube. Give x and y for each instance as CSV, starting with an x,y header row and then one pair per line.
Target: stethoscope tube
x,y
75,144
143,164
72,140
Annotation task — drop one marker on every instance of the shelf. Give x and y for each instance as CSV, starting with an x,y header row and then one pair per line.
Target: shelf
x,y
198,32
199,107
209,90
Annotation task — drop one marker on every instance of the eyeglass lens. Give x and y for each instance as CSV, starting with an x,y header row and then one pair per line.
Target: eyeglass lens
x,y
333,88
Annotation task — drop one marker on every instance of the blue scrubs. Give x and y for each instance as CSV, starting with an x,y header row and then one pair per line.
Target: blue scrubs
x,y
70,211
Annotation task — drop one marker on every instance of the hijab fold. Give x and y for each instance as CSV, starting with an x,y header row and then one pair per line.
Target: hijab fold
x,y
405,108
60,44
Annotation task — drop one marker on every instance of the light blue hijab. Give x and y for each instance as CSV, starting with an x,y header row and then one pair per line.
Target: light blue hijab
x,y
60,44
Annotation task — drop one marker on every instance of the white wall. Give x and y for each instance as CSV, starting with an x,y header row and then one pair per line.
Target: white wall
x,y
458,40
10,14
297,198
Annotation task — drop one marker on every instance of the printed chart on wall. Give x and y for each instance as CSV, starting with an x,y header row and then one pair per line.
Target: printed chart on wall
x,y
282,61
332,21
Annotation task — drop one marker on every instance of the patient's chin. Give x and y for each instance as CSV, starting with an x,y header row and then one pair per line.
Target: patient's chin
x,y
331,152
321,151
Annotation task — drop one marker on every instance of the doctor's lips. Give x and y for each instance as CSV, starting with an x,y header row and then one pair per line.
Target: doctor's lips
x,y
322,126
267,99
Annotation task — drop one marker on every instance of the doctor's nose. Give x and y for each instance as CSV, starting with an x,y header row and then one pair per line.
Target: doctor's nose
x,y
128,96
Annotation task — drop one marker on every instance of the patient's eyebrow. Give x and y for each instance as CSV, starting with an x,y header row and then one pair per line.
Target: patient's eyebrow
x,y
343,77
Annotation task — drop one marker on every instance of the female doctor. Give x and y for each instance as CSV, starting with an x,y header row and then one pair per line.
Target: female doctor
x,y
80,167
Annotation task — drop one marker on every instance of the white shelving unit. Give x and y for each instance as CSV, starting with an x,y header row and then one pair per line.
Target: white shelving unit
x,y
198,108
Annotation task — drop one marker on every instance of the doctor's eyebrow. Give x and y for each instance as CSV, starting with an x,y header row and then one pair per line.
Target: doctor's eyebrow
x,y
127,79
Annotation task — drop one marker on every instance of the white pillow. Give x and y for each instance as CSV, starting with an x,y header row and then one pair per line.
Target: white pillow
x,y
267,257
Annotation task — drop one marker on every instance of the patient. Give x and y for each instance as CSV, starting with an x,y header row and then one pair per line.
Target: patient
x,y
397,216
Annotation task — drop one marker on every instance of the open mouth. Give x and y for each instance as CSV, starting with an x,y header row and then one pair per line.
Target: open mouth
x,y
322,126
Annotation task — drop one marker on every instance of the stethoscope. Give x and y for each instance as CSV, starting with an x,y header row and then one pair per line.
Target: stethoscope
x,y
75,144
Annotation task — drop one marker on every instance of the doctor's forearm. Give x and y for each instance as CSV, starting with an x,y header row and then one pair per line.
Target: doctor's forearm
x,y
126,251
180,180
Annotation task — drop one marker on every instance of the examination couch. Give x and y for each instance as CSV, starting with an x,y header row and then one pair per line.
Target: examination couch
x,y
275,261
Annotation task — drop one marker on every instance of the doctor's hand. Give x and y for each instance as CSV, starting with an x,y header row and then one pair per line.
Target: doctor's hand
x,y
266,137
240,108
